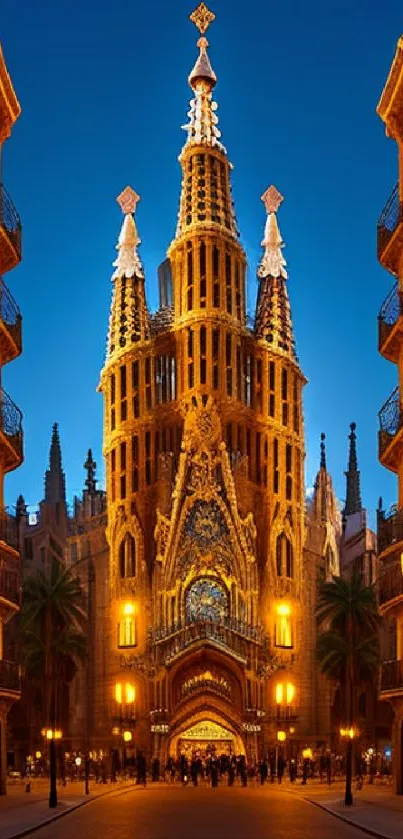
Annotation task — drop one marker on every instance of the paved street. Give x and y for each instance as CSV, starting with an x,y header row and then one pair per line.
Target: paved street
x,y
203,813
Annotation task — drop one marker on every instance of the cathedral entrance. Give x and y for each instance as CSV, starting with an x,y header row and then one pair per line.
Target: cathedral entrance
x,y
206,738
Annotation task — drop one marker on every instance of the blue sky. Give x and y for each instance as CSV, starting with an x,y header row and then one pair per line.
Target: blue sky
x,y
103,87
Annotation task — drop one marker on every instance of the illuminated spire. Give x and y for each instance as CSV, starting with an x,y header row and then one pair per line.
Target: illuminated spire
x,y
202,126
353,494
273,314
129,319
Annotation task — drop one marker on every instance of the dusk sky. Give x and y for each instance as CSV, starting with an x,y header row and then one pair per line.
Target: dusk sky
x,y
103,89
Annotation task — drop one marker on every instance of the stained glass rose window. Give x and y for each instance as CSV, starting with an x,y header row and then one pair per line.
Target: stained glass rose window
x,y
206,600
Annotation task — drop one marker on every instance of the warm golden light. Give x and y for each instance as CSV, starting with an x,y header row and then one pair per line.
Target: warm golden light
x,y
127,736
118,693
307,754
279,693
290,693
130,692
115,730
128,609
292,730
38,755
49,733
348,732
283,609
281,736
401,562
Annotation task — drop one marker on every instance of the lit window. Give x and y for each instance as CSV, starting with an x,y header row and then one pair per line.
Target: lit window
x,y
279,694
125,694
283,627
284,693
127,627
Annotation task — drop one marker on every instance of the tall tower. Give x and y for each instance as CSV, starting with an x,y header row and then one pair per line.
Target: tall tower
x,y
390,343
11,454
204,448
55,481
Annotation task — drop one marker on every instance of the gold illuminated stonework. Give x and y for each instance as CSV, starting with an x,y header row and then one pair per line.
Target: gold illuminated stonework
x,y
204,449
202,17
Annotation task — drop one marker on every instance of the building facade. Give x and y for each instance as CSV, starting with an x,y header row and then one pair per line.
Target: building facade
x,y
210,630
390,342
10,419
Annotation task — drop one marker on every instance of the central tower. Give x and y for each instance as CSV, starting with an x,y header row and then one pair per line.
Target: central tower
x,y
204,448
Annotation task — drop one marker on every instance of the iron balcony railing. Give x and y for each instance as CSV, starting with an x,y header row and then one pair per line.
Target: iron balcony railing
x,y
392,675
391,216
391,309
10,586
390,583
11,420
390,420
239,627
222,635
10,220
390,528
8,529
9,676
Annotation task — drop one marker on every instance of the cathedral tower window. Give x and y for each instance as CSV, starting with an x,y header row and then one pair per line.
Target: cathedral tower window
x,y
136,389
249,452
123,457
203,351
284,396
148,383
127,557
296,405
216,357
288,469
127,627
203,278
123,487
276,474
123,393
201,187
272,388
135,463
283,627
258,385
265,461
228,362
289,559
258,457
113,389
284,693
284,556
148,458
113,473
228,283
190,359
238,374
216,277
189,276
238,289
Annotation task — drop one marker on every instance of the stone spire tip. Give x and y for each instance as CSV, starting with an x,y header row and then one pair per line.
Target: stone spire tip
x,y
322,451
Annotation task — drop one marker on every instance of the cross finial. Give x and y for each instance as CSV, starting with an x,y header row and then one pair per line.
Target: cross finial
x,y
128,200
272,199
202,17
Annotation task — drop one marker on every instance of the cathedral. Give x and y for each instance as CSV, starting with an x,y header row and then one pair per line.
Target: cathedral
x,y
201,560
204,628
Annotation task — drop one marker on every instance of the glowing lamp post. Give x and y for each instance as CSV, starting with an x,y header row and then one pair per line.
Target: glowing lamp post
x,y
52,734
348,734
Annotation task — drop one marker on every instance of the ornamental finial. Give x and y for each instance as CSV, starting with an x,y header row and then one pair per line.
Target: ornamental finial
x,y
272,199
202,17
128,200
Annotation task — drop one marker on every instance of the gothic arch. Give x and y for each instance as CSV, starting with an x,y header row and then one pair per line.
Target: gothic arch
x,y
128,533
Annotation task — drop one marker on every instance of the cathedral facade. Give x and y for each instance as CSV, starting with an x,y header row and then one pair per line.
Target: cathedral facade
x,y
202,597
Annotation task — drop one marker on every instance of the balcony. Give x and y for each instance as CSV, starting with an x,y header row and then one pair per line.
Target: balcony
x,y
390,425
390,325
392,676
390,232
234,637
10,589
390,528
390,584
10,679
10,433
10,325
10,233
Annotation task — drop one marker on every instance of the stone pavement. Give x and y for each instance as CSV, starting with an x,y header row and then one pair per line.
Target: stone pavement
x,y
376,808
22,812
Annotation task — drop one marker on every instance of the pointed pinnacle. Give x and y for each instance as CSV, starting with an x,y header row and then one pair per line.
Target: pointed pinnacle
x,y
322,451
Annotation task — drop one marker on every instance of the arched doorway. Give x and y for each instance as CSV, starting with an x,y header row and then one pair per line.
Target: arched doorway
x,y
206,737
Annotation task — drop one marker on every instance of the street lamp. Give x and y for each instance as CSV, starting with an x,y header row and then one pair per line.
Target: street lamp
x,y
52,734
348,734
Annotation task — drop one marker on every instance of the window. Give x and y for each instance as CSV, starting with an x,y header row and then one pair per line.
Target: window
x,y
228,283
238,289
123,394
216,277
296,405
228,362
284,556
258,444
284,396
283,626
190,359
216,357
135,463
258,385
284,693
122,457
127,557
136,388
288,469
276,475
127,627
148,383
203,360
189,276
272,387
203,279
113,389
148,457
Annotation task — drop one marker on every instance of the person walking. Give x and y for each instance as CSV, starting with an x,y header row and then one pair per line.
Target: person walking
x,y
280,767
214,773
263,771
231,774
328,767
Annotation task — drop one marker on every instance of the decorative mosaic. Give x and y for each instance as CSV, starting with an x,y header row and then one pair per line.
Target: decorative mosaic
x,y
207,600
205,524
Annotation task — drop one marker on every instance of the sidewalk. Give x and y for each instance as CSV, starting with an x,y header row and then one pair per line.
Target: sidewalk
x,y
21,812
376,808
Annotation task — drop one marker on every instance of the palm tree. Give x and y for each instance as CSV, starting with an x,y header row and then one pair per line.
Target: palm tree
x,y
348,644
53,624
